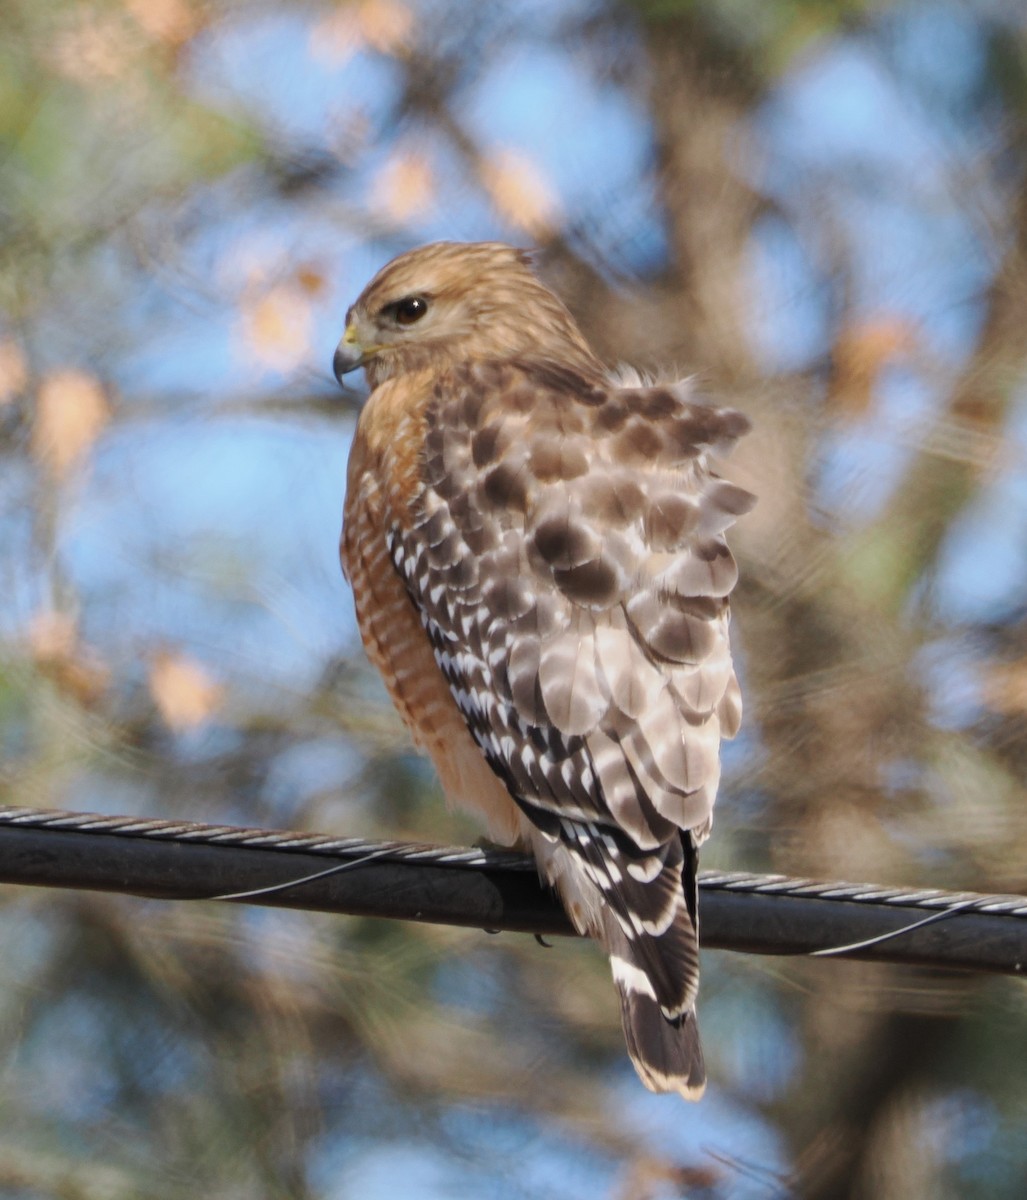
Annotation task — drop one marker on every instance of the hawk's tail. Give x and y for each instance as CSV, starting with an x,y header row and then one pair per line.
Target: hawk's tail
x,y
665,1050
646,915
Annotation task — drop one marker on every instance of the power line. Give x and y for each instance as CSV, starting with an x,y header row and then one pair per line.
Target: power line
x,y
485,889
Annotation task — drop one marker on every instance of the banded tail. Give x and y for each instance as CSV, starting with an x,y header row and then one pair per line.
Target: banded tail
x,y
657,975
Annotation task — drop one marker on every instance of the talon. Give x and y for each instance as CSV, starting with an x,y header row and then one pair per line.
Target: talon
x,y
542,942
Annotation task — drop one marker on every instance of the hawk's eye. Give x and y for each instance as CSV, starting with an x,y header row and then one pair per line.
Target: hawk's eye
x,y
410,309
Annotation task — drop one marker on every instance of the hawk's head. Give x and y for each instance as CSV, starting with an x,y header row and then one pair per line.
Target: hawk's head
x,y
455,301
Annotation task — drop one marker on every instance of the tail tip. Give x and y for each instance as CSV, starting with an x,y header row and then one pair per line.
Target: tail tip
x,y
667,1054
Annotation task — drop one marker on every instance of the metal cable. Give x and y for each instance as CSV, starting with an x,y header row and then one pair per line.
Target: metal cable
x,y
768,914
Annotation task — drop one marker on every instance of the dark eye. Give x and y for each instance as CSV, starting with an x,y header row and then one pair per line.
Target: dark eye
x,y
409,310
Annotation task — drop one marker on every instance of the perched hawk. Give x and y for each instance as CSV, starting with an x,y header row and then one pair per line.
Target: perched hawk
x,y
539,569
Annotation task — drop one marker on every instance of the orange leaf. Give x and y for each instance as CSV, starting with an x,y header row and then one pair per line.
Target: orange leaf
x,y
277,325
58,654
404,187
71,413
170,21
52,636
861,351
386,25
185,694
91,47
1005,688
383,25
520,192
310,279
14,372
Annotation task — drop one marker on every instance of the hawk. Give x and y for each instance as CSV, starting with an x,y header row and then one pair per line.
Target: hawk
x,y
537,557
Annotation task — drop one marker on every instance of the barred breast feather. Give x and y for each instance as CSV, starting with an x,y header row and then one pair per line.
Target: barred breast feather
x,y
564,551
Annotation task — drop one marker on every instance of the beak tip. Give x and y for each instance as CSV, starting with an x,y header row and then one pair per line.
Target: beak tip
x,y
348,356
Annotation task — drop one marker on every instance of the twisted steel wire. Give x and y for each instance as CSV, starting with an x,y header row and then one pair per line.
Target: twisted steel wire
x,y
494,889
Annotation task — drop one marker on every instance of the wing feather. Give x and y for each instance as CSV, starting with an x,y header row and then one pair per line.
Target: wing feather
x,y
569,542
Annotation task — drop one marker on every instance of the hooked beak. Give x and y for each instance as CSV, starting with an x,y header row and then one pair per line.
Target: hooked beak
x,y
349,354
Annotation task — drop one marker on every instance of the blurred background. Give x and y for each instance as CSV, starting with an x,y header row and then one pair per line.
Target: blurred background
x,y
819,208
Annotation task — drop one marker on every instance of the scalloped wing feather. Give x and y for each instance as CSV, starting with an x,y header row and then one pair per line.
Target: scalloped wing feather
x,y
568,563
